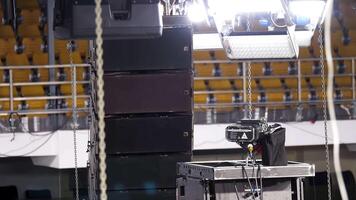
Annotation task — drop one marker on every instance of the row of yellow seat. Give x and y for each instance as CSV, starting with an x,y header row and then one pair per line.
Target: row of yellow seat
x,y
257,69
30,33
36,45
24,75
39,104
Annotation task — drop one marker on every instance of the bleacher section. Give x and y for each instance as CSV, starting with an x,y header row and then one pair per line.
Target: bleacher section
x,y
218,82
274,84
26,44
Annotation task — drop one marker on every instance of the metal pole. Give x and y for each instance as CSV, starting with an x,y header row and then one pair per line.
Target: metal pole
x,y
299,82
353,89
51,57
353,79
51,50
244,85
11,92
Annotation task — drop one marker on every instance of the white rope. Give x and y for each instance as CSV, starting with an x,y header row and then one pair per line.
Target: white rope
x,y
100,89
331,107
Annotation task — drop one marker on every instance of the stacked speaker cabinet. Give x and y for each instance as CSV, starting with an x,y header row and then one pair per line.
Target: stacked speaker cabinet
x,y
148,107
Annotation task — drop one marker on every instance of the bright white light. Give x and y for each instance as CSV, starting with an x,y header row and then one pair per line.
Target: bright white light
x,y
260,46
196,12
310,9
245,6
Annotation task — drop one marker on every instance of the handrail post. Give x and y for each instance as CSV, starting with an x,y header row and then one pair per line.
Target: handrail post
x,y
11,91
353,79
299,82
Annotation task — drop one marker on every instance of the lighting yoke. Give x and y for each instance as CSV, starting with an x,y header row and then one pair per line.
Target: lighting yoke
x,y
251,135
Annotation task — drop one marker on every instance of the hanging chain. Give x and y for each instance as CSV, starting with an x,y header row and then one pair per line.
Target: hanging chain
x,y
249,77
74,114
323,83
249,90
101,112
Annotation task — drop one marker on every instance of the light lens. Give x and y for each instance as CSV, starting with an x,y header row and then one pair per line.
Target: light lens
x,y
259,47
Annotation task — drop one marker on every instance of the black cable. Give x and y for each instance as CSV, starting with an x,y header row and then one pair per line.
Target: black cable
x,y
45,134
30,152
236,191
249,182
12,124
261,185
255,177
50,134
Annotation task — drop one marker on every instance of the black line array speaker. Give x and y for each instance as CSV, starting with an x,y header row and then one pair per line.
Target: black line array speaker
x,y
148,107
148,93
161,194
172,51
143,171
148,134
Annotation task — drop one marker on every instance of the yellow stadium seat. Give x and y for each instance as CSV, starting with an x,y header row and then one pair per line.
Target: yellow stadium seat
x,y
6,31
60,46
1,74
203,70
224,98
200,98
27,4
29,30
33,90
19,75
220,84
316,82
239,84
229,69
67,89
5,105
30,16
41,59
256,69
82,47
199,85
7,46
275,96
32,45
292,82
348,67
304,53
307,67
343,81
279,68
220,55
270,83
81,103
37,104
347,94
201,55
254,95
4,92
348,50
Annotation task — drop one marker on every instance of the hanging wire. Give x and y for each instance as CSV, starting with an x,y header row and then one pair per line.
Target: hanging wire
x,y
100,102
74,115
323,83
249,76
249,90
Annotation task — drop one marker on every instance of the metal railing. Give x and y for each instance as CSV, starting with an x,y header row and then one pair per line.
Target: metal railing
x,y
12,99
299,76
